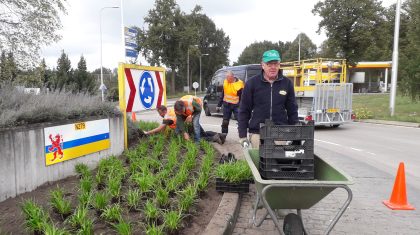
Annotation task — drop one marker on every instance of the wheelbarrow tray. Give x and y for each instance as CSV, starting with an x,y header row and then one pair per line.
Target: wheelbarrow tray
x,y
298,194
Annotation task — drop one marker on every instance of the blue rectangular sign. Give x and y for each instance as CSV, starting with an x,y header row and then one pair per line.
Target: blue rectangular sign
x,y
130,44
131,53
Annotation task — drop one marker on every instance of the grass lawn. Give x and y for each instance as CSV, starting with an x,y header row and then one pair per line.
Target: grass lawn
x,y
376,106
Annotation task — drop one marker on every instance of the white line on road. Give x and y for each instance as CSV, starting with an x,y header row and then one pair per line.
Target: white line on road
x,y
327,142
355,149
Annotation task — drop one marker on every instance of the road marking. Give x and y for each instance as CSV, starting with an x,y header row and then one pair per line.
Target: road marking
x,y
327,142
355,149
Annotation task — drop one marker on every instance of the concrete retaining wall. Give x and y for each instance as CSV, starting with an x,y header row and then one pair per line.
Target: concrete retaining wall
x,y
22,158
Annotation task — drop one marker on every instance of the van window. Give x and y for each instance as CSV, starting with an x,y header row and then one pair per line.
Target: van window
x,y
252,72
239,74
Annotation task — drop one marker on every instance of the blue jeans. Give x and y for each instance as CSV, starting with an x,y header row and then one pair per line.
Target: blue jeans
x,y
196,126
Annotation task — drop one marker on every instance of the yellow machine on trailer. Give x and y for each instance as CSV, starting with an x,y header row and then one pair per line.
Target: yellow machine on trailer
x,y
321,90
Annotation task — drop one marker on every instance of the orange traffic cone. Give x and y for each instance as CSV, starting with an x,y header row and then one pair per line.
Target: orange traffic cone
x,y
398,200
133,117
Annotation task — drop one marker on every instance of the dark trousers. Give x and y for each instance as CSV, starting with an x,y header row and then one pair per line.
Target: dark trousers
x,y
228,109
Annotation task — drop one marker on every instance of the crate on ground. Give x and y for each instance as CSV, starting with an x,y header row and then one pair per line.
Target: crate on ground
x,y
287,132
241,187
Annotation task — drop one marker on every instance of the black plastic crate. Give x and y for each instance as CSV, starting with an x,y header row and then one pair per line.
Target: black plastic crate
x,y
286,152
286,132
274,162
288,175
290,166
242,187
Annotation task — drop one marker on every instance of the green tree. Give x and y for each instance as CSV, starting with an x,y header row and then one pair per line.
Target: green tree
x,y
327,50
26,25
410,59
252,53
307,49
209,40
171,34
161,42
8,67
349,24
83,80
63,74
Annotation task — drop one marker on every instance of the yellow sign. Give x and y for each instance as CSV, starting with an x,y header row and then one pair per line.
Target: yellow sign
x,y
80,126
333,110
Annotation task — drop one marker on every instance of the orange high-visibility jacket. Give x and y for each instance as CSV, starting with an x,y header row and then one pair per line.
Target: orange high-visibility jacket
x,y
230,91
170,115
188,102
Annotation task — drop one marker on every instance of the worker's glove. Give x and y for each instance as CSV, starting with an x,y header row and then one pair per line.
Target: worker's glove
x,y
244,142
218,109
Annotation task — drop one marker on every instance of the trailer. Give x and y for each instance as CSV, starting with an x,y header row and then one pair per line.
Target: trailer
x,y
321,90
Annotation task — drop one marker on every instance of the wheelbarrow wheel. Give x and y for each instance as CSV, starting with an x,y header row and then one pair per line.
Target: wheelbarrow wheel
x,y
293,225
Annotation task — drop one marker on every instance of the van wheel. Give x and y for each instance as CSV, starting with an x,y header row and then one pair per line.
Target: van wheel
x,y
207,110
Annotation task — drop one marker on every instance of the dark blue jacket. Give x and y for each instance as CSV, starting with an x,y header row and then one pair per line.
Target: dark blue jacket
x,y
261,100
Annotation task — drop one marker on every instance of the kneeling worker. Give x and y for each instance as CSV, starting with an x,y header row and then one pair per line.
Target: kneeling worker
x,y
169,120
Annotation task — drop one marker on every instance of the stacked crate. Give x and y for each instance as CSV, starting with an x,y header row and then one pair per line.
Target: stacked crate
x,y
287,151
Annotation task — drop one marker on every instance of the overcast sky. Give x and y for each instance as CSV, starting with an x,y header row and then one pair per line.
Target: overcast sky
x,y
244,21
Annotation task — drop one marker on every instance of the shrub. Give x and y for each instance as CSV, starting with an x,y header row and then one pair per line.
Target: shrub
x,y
363,113
35,217
234,172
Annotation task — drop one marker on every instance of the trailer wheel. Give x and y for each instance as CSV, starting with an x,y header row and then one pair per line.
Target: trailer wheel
x,y
336,125
293,225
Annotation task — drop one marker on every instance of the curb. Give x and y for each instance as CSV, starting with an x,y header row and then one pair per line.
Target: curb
x,y
223,221
392,123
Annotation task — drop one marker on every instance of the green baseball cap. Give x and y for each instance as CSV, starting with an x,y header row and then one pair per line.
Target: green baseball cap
x,y
270,56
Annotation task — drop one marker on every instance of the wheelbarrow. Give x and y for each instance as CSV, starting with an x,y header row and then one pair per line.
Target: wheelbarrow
x,y
274,195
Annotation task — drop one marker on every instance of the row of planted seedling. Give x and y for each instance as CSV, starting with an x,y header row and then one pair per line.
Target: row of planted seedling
x,y
161,179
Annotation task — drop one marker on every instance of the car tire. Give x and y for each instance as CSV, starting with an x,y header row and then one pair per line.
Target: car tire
x,y
207,110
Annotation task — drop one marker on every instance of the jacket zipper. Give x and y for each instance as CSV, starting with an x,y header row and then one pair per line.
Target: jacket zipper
x,y
271,102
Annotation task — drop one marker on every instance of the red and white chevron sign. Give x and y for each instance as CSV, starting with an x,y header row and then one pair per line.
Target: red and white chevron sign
x,y
144,87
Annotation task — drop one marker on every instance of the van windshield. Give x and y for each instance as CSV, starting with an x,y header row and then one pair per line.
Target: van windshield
x,y
252,72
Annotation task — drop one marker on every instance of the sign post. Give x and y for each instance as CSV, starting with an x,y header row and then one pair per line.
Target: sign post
x,y
195,86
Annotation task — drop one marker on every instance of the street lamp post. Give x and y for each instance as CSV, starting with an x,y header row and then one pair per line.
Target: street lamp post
x,y
395,59
102,87
299,48
200,69
188,67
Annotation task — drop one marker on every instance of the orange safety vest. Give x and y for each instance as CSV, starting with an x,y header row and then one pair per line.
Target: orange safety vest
x,y
189,108
170,115
230,91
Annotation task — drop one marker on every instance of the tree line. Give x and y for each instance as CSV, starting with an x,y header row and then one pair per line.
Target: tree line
x,y
60,78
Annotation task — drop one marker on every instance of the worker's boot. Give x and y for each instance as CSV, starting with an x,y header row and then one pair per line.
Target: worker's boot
x,y
223,137
216,138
